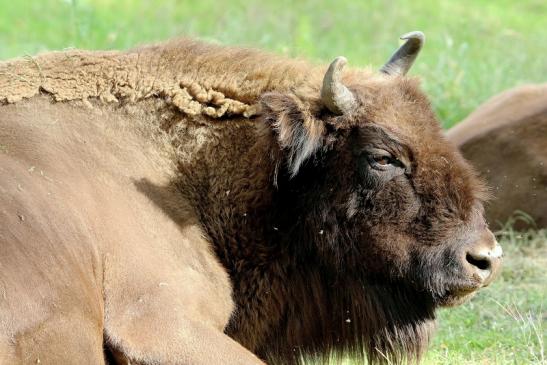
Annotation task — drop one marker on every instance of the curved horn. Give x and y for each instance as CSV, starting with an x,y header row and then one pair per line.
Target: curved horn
x,y
336,97
404,57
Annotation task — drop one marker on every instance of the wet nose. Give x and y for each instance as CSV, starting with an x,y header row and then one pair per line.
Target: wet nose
x,y
484,259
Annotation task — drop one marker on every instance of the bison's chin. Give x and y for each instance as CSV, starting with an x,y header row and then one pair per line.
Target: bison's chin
x,y
456,297
462,292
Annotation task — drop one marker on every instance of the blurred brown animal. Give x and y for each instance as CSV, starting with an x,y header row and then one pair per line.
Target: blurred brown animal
x,y
506,140
186,203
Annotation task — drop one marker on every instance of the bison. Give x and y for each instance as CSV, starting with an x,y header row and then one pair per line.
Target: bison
x,y
186,203
506,140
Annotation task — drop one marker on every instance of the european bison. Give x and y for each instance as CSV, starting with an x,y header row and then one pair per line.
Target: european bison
x,y
187,203
506,140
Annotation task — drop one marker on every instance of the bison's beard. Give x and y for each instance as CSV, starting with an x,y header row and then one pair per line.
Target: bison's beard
x,y
374,321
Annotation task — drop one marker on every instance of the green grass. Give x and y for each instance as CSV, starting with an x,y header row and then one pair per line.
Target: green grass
x,y
474,50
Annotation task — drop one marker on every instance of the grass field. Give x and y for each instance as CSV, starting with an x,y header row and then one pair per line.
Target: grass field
x,y
474,50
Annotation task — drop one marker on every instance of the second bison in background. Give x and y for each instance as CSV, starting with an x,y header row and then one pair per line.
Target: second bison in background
x,y
506,140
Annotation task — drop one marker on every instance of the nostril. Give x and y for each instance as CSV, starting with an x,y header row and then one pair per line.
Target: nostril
x,y
480,262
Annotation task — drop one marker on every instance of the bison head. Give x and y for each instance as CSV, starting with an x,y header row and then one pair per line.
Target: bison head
x,y
376,189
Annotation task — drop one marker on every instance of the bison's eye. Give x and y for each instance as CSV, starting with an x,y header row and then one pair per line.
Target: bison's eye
x,y
383,161
377,166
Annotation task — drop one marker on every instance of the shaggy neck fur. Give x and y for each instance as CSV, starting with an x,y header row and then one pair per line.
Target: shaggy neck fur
x,y
292,294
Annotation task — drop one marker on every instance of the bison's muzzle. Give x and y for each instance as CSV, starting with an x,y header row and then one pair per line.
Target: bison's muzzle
x,y
483,258
480,261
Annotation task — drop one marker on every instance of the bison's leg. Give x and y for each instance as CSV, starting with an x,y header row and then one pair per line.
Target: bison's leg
x,y
195,343
63,338
169,304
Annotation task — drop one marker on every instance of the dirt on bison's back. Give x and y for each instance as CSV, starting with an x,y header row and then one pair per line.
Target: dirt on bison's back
x,y
506,140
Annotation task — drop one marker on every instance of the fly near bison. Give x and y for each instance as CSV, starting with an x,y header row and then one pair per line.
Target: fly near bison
x,y
186,203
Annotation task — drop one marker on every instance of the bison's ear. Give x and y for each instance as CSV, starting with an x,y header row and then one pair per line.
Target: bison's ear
x,y
298,132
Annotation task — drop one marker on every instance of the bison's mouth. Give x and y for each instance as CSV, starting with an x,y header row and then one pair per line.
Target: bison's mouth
x,y
457,296
460,293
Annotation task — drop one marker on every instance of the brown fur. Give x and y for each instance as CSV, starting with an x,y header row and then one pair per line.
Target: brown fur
x,y
506,139
192,76
121,182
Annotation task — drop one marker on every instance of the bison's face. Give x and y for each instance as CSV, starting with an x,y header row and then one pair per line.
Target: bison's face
x,y
413,204
385,194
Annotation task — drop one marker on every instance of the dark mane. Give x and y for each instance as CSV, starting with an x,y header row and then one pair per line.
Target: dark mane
x,y
290,301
